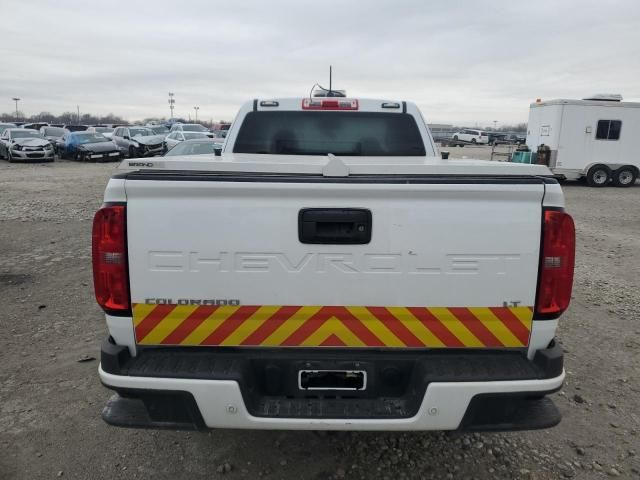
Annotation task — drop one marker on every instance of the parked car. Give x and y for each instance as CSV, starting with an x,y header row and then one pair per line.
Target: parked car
x,y
104,130
190,127
138,141
196,146
25,144
496,138
172,121
83,146
159,129
515,138
220,130
35,126
54,135
471,136
174,138
7,125
76,128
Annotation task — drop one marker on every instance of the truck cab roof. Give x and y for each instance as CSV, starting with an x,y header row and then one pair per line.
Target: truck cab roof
x,y
306,135
328,104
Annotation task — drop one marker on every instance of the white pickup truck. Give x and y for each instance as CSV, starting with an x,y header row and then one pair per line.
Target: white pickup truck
x,y
330,271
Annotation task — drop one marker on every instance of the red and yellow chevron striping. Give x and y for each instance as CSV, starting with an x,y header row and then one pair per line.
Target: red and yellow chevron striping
x,y
329,326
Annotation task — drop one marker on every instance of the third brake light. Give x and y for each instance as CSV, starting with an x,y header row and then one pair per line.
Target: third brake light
x,y
329,104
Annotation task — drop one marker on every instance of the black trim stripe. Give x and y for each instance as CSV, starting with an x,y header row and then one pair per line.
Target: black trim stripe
x,y
404,107
255,104
258,177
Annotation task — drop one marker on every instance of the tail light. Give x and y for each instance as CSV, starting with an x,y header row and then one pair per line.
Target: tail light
x,y
110,271
329,104
556,264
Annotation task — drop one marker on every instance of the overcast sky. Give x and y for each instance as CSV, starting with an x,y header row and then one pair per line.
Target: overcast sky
x,y
472,62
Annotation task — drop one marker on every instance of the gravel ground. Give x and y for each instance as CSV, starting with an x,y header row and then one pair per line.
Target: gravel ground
x,y
51,398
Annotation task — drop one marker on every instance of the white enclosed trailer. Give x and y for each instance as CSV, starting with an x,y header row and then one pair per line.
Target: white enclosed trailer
x,y
592,139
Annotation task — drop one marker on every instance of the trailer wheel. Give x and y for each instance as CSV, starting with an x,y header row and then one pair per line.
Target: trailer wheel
x,y
625,176
598,176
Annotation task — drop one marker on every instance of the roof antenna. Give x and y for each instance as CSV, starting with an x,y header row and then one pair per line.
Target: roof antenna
x,y
329,95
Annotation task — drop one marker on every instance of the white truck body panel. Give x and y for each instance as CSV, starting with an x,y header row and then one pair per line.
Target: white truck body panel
x,y
215,258
240,241
569,128
122,329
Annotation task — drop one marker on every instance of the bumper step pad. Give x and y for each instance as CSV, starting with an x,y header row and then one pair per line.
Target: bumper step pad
x,y
496,413
154,409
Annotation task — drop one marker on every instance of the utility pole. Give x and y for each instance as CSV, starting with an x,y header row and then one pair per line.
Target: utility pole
x,y
172,103
78,107
196,108
495,123
16,99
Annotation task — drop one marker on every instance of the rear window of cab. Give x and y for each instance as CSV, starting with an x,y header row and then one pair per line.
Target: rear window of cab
x,y
321,133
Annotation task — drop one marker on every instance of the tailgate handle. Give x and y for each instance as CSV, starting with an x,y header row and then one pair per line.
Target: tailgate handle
x,y
337,226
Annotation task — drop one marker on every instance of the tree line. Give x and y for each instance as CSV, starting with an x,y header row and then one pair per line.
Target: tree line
x,y
519,127
71,118
67,118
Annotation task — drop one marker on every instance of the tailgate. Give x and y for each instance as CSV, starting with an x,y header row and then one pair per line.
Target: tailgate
x,y
221,263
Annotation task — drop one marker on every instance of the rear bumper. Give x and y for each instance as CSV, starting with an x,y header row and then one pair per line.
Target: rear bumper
x,y
488,393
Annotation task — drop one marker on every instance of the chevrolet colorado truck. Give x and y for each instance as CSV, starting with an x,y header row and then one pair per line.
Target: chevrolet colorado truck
x,y
330,271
